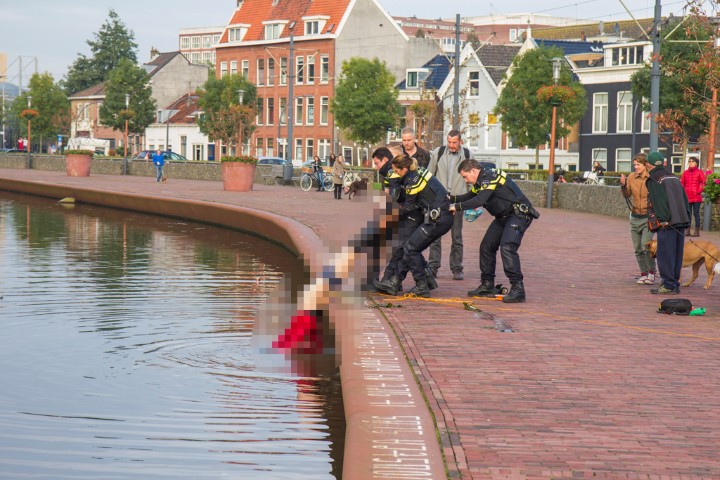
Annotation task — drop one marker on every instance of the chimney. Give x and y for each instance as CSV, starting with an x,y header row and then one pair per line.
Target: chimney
x,y
154,53
582,36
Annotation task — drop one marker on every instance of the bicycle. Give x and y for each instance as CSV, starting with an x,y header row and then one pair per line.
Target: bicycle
x,y
308,179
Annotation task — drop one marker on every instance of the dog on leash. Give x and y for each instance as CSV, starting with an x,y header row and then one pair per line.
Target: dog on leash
x,y
696,253
356,186
164,179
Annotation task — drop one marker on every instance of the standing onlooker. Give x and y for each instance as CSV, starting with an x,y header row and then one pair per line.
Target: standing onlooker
x,y
598,169
319,173
21,146
669,204
159,162
634,186
411,148
444,164
331,159
693,181
338,176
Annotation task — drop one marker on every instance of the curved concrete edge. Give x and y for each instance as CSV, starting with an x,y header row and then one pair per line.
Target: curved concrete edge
x,y
390,433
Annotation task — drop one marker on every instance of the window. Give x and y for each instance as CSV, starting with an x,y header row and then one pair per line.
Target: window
x,y
260,111
216,39
299,70
270,111
324,110
311,69
312,27
223,69
600,113
207,41
474,81
513,34
299,110
310,111
245,68
283,70
233,67
324,148
272,31
271,71
310,148
283,111
198,151
259,143
298,148
628,55
623,160
411,80
195,42
600,155
236,34
624,112
260,71
645,127
324,69
184,43
207,57
195,57
270,142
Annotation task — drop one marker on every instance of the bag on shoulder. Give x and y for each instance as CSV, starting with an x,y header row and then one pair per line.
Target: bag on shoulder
x,y
675,306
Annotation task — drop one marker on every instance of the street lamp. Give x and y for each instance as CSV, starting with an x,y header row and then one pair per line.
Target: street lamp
x,y
713,119
551,164
125,147
29,100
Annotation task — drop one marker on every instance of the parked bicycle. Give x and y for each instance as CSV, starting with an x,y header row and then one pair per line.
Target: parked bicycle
x,y
307,180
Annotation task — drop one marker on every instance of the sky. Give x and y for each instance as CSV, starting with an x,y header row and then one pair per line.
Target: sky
x,y
54,32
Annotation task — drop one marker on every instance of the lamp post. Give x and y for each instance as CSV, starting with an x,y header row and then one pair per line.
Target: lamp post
x,y
551,163
29,162
125,147
291,80
713,122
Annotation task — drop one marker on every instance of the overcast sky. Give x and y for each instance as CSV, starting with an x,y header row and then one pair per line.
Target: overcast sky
x,y
54,32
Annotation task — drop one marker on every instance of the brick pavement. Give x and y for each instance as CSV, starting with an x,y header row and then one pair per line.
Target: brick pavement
x,y
591,382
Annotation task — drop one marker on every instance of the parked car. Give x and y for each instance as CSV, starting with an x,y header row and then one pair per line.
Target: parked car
x,y
272,161
12,150
148,154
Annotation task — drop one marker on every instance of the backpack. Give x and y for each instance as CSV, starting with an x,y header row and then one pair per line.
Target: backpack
x,y
465,150
675,306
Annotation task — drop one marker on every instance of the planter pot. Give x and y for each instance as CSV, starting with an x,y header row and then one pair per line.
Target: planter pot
x,y
77,165
238,176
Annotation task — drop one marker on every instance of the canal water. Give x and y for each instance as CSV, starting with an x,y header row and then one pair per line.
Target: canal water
x,y
125,353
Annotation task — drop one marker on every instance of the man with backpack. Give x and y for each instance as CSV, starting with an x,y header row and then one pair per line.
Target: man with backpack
x,y
669,216
444,163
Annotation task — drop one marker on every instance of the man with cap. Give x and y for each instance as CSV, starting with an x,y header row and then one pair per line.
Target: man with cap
x,y
669,213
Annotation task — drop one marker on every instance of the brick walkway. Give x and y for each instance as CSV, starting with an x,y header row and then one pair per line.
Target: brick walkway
x,y
584,380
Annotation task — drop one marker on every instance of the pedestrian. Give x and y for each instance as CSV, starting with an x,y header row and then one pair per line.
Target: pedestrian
x,y
21,145
598,169
513,212
634,187
693,181
423,192
318,171
412,149
331,160
159,162
669,216
338,169
444,164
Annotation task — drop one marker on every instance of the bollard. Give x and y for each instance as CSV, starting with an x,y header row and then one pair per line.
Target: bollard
x,y
707,215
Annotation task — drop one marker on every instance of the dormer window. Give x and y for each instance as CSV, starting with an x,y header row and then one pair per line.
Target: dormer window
x,y
236,33
312,28
273,31
315,24
414,77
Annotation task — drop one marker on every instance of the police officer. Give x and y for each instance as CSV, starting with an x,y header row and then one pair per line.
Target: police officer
x,y
513,212
423,193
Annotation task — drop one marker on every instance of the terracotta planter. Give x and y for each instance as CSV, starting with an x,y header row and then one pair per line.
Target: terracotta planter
x,y
238,176
77,165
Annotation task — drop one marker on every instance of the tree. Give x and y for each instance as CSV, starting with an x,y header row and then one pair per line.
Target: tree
x,y
525,116
50,103
365,102
112,44
224,119
128,78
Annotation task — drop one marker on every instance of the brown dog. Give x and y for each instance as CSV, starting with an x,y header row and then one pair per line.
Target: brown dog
x,y
356,186
695,253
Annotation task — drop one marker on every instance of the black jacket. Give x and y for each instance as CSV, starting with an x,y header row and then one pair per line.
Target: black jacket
x,y
424,191
494,191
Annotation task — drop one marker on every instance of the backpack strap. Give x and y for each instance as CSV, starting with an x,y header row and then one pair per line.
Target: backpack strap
x,y
465,150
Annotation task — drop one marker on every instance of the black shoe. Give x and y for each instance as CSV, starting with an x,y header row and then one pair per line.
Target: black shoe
x,y
432,283
486,289
391,286
516,294
663,290
420,289
458,276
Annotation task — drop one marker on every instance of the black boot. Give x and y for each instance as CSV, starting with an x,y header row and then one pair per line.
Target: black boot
x,y
389,286
486,289
432,283
516,294
420,289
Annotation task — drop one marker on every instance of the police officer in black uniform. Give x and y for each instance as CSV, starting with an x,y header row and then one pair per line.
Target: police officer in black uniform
x,y
513,212
423,194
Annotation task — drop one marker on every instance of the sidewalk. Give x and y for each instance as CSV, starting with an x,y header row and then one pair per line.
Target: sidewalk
x,y
584,380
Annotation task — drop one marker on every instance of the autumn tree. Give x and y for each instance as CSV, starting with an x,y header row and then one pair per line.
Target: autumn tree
x,y
128,78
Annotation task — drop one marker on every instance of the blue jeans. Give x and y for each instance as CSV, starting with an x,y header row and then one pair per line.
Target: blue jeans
x,y
158,172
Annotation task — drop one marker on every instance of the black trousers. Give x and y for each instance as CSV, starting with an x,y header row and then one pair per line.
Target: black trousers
x,y
408,223
504,234
338,191
419,240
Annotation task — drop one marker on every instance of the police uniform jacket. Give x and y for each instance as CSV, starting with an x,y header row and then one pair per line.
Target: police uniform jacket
x,y
494,191
423,191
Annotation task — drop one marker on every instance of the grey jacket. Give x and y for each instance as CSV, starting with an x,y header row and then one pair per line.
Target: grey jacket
x,y
445,169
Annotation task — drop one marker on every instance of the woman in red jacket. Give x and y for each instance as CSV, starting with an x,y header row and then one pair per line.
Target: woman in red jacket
x,y
693,180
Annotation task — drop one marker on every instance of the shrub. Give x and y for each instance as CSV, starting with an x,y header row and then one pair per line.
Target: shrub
x,y
79,152
241,159
712,188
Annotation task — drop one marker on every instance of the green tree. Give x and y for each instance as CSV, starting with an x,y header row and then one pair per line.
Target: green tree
x,y
112,44
224,119
128,78
365,102
525,116
52,107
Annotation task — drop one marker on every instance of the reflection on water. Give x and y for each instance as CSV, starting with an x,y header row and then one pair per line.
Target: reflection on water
x,y
125,353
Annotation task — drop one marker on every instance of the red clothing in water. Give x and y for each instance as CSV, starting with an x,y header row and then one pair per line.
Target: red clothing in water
x,y
693,180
